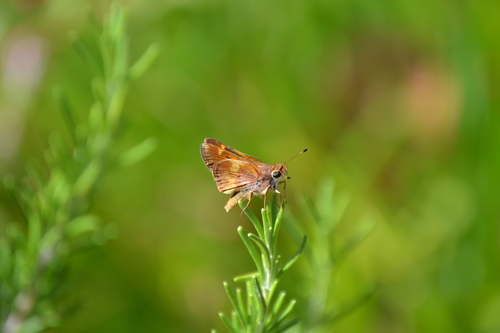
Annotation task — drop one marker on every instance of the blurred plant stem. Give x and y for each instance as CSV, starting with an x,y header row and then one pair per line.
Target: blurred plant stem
x,y
34,259
323,256
261,312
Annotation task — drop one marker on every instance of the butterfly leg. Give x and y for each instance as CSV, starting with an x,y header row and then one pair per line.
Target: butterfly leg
x,y
265,194
284,189
284,192
250,194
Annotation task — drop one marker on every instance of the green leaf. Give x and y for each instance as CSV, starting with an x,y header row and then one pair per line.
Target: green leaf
x,y
115,107
234,319
287,326
138,153
278,302
255,221
296,255
145,61
277,325
82,224
252,250
228,324
234,301
267,224
277,227
245,277
261,299
252,303
58,191
241,306
50,239
288,310
87,178
263,249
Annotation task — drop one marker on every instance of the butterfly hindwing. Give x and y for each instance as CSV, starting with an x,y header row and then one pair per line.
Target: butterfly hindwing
x,y
234,175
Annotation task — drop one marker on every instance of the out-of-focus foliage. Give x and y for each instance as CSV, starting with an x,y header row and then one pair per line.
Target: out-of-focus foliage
x,y
396,101
54,197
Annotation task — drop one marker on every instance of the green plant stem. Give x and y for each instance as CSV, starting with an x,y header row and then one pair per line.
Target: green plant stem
x,y
261,313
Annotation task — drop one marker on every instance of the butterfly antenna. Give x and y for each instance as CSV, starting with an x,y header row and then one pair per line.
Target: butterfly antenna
x,y
302,152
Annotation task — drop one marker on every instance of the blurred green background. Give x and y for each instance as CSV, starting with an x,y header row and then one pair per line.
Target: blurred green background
x,y
397,101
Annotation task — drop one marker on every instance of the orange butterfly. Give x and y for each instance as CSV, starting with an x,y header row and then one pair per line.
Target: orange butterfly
x,y
240,174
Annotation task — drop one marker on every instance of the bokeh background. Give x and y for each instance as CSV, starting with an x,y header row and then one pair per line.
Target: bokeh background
x,y
397,101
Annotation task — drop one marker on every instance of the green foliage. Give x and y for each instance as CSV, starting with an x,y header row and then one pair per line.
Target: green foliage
x,y
55,199
262,311
323,257
397,101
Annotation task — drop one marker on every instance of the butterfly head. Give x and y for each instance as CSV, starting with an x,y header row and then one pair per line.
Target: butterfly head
x,y
279,172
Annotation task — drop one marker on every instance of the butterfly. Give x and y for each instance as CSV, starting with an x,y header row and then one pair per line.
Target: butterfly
x,y
239,174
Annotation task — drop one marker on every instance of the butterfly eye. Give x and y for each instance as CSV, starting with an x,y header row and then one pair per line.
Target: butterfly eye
x,y
276,174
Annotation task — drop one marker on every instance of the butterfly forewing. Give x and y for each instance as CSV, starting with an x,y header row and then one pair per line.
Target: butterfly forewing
x,y
214,151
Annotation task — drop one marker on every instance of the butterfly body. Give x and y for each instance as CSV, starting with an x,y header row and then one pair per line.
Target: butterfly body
x,y
240,174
